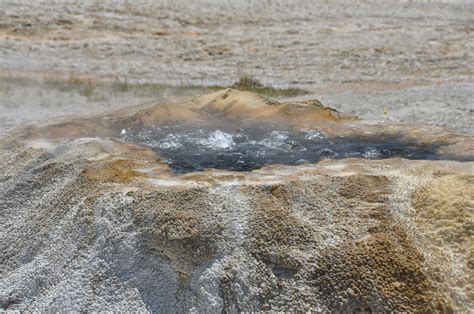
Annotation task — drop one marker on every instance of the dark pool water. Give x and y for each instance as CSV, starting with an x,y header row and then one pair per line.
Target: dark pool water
x,y
244,149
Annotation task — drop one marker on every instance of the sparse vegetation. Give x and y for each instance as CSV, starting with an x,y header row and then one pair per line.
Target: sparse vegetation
x,y
248,83
87,87
100,89
83,86
120,86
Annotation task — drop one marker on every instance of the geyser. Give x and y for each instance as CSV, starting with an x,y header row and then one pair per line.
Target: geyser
x,y
107,212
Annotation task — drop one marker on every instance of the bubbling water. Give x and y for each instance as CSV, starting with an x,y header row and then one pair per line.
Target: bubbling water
x,y
189,149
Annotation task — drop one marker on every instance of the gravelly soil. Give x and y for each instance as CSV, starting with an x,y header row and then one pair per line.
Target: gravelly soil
x,y
414,58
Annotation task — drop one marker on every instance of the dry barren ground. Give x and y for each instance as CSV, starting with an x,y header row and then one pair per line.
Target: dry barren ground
x,y
397,60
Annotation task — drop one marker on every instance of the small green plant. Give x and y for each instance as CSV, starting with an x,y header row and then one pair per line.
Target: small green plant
x,y
120,86
247,83
83,86
385,113
87,89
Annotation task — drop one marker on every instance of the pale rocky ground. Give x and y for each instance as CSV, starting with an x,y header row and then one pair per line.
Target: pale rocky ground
x,y
415,58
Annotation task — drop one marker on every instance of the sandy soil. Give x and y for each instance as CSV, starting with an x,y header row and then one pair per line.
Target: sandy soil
x,y
410,61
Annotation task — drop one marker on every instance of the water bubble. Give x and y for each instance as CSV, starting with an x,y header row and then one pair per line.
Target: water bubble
x,y
217,140
313,134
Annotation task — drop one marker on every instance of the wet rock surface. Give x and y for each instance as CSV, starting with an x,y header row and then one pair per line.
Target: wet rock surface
x,y
94,219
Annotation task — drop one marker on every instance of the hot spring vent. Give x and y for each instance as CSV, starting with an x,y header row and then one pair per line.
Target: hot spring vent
x,y
195,149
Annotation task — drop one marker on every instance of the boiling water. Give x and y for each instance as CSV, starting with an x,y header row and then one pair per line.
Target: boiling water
x,y
243,149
